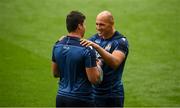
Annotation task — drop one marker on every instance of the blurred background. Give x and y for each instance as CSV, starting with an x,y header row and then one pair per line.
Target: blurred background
x,y
29,29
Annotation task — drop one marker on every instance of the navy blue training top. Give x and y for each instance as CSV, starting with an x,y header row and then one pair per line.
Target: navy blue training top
x,y
72,59
111,84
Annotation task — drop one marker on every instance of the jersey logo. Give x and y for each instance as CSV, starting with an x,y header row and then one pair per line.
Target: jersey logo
x,y
97,41
123,39
66,47
108,47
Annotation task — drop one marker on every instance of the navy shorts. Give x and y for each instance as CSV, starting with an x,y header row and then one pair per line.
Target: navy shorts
x,y
63,101
117,101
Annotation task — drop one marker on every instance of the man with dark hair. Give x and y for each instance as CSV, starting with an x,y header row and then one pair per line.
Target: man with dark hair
x,y
73,19
75,65
112,50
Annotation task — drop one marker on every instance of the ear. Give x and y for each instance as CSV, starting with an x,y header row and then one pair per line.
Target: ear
x,y
80,26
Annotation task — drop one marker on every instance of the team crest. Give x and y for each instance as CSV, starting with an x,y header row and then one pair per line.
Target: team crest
x,y
108,47
97,41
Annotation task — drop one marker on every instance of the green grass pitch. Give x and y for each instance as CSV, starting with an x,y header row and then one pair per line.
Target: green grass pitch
x,y
29,28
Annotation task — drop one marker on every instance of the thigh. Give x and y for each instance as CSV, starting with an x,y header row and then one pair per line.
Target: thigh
x,y
81,103
109,101
62,101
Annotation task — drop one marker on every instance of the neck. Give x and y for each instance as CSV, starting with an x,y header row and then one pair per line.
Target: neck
x,y
110,34
74,34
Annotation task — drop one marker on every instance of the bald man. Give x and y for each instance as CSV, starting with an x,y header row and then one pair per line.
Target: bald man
x,y
112,51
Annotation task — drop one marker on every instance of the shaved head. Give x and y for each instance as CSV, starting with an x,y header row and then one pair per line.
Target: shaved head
x,y
105,24
106,16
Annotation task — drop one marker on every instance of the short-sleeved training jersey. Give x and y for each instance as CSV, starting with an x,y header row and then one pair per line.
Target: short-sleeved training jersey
x,y
72,59
111,84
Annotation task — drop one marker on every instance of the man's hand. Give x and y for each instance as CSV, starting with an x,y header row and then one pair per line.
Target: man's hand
x,y
85,42
99,62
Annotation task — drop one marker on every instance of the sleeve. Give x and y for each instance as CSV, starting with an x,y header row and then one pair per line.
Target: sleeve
x,y
123,46
53,55
90,58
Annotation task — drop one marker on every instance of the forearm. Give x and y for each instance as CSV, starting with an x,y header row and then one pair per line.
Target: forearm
x,y
108,58
113,60
94,75
55,70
